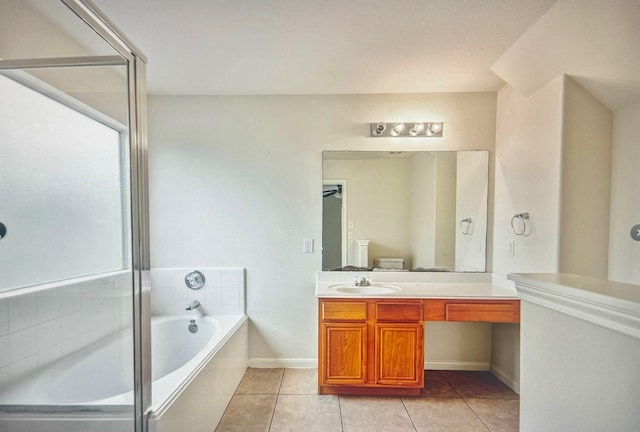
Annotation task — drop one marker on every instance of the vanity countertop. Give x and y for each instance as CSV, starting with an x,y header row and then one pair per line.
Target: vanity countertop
x,y
413,285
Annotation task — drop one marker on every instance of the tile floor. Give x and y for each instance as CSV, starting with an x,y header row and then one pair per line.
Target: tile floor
x,y
279,400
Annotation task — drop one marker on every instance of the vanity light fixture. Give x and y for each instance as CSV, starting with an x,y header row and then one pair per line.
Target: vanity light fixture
x,y
410,129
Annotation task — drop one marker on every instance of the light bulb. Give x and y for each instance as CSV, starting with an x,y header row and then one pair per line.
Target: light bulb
x,y
416,129
397,128
435,127
380,128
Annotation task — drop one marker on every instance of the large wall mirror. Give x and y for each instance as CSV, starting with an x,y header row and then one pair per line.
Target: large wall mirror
x,y
422,211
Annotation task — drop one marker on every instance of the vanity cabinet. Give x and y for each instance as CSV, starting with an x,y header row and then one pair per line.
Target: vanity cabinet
x,y
371,346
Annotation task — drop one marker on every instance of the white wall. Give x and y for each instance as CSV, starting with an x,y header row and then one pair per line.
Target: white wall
x,y
378,203
624,253
471,202
582,377
445,211
235,181
423,210
527,178
586,183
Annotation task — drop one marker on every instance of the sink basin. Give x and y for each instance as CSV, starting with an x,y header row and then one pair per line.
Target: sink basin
x,y
372,289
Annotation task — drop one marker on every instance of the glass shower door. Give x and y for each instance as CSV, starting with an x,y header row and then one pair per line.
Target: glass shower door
x,y
73,243
66,292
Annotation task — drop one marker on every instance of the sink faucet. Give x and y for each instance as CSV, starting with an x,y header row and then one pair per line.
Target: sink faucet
x,y
194,304
362,282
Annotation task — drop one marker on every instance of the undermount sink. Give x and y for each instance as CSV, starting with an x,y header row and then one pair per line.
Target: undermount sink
x,y
366,289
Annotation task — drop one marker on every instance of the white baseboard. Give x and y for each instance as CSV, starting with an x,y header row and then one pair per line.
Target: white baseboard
x,y
291,363
456,365
309,363
508,380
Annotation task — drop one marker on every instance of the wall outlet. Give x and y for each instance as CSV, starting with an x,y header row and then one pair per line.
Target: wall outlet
x,y
512,248
307,246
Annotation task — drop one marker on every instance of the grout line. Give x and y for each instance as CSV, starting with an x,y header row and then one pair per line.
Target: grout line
x,y
465,402
408,414
340,410
281,379
451,385
477,415
273,413
275,405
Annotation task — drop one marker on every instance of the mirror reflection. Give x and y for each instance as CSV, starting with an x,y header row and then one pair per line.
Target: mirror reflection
x,y
422,211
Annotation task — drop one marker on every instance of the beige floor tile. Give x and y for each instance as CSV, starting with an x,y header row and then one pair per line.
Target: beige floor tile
x,y
248,413
500,415
436,386
306,413
442,415
379,414
260,381
473,384
299,382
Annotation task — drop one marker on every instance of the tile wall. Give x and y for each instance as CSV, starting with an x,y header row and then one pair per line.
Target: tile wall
x,y
39,325
222,294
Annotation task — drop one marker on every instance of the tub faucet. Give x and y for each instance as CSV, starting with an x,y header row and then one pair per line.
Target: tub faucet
x,y
194,304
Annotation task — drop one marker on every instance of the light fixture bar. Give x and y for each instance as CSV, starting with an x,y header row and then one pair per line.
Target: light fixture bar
x,y
406,129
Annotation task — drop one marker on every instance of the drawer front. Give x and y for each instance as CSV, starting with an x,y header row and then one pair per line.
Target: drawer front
x,y
399,312
344,311
487,312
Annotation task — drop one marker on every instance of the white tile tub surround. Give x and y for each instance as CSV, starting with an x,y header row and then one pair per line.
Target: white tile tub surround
x,y
222,294
41,324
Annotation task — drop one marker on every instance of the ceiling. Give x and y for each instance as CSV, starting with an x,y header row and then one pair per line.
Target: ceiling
x,y
257,47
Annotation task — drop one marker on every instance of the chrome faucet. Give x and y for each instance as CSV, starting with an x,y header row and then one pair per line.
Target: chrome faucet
x,y
362,282
194,304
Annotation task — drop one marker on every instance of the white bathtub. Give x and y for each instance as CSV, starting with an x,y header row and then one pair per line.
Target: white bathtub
x,y
179,357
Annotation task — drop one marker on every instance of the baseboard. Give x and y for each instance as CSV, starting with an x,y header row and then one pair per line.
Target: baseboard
x,y
508,380
291,363
456,365
309,363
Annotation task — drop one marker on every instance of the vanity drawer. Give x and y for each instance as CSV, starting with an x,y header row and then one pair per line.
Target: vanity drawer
x,y
486,312
331,310
399,311
496,311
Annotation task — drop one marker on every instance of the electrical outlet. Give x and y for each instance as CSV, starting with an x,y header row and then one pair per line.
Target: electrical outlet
x,y
307,246
512,248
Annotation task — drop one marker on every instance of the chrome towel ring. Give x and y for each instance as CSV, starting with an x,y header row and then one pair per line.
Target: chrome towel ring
x,y
465,226
523,217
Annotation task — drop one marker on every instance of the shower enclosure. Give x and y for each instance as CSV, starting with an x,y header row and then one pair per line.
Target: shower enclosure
x,y
74,260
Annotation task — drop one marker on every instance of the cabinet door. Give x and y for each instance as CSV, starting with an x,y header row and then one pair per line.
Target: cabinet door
x,y
399,354
344,350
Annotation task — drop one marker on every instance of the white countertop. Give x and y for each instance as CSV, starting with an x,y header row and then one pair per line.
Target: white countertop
x,y
614,305
582,285
417,285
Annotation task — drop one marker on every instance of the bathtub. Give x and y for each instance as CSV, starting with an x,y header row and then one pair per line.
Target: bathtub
x,y
194,376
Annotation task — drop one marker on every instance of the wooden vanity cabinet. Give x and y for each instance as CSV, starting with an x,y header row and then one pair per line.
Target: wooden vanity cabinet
x,y
371,346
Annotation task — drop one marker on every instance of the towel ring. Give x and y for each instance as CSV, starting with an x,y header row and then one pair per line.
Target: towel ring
x,y
465,226
524,217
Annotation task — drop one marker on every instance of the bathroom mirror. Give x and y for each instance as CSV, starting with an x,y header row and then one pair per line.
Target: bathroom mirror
x,y
425,210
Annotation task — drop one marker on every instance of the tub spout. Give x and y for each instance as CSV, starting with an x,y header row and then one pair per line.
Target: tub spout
x,y
194,304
